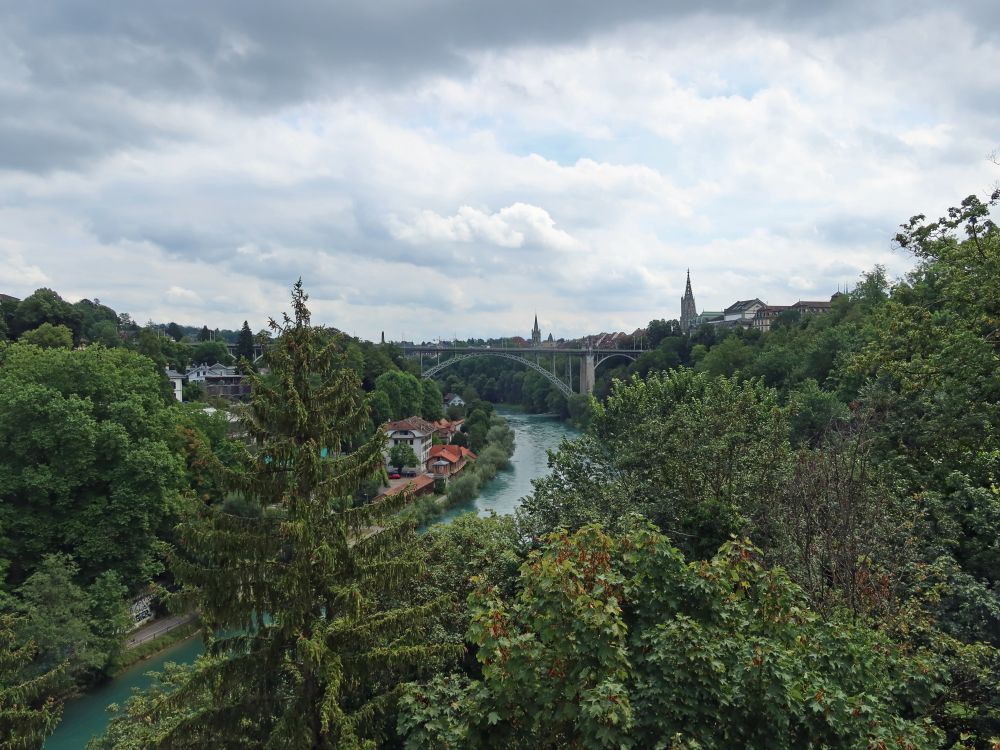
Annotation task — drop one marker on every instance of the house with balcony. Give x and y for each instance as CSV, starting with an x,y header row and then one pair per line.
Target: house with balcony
x,y
415,432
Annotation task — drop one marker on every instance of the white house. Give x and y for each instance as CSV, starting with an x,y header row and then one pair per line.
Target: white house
x,y
453,399
415,432
201,373
177,381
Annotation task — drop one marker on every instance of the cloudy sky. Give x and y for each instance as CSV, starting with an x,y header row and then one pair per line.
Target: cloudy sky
x,y
445,167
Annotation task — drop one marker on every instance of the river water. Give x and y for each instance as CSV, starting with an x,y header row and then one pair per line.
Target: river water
x,y
534,434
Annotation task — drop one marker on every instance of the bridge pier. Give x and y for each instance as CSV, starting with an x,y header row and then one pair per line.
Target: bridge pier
x,y
587,367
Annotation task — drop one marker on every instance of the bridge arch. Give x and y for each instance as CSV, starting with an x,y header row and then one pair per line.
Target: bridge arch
x,y
562,387
602,360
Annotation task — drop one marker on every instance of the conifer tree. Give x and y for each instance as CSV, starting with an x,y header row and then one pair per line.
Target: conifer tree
x,y
27,712
244,344
311,655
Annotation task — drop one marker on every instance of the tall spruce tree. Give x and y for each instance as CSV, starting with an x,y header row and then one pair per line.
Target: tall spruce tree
x,y
244,344
312,655
28,713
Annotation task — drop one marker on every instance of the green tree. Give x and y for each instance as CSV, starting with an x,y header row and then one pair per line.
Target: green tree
x,y
48,336
700,456
210,352
244,344
81,629
403,391
726,358
174,331
28,711
617,642
84,462
402,455
431,400
381,408
204,334
319,658
105,332
45,306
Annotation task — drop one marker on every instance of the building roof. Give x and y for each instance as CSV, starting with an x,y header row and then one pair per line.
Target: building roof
x,y
742,305
414,485
452,453
768,310
411,424
817,303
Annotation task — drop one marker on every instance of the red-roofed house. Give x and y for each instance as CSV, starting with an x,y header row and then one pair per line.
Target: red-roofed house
x,y
444,429
420,485
448,460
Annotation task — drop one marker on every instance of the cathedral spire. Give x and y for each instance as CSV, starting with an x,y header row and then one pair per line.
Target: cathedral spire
x,y
536,333
688,309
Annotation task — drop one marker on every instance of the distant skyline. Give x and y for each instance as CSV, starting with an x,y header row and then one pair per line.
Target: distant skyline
x,y
442,169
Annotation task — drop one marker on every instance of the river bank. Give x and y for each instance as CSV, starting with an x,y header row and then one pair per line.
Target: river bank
x,y
534,436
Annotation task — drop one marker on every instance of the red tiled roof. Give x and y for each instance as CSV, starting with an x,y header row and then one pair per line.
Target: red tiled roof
x,y
452,453
414,485
413,424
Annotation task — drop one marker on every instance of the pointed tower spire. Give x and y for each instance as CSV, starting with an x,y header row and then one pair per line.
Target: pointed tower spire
x,y
688,309
536,333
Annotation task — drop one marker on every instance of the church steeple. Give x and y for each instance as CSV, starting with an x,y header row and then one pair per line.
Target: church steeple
x,y
688,310
536,333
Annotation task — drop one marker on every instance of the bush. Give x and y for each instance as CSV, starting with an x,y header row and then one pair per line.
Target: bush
x,y
463,489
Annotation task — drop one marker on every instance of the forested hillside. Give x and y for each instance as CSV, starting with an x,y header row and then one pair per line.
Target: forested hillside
x,y
779,540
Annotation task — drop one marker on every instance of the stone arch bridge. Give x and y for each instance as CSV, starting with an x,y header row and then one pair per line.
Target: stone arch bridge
x,y
434,359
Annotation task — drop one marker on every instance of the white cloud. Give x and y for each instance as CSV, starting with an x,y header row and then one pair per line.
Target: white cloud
x,y
180,294
515,226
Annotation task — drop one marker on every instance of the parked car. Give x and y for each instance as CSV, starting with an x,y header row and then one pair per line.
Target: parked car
x,y
394,476
409,472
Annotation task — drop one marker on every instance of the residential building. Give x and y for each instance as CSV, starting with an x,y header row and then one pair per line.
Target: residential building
x,y
448,460
177,383
415,432
219,380
453,399
201,373
444,429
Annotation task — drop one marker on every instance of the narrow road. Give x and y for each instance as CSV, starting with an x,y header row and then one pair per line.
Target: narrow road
x,y
157,628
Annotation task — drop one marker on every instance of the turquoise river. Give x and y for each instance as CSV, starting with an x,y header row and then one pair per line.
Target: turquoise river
x,y
535,434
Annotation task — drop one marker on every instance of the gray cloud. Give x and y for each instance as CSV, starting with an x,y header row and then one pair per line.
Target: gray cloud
x,y
454,165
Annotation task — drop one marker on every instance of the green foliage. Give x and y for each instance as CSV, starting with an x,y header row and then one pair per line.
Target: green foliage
x,y
28,713
84,462
105,333
403,391
148,716
210,352
72,627
699,456
48,336
193,391
45,306
244,344
617,642
314,656
401,455
464,488
431,400
727,358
